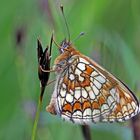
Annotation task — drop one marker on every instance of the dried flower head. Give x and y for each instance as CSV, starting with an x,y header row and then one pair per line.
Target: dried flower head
x,y
44,59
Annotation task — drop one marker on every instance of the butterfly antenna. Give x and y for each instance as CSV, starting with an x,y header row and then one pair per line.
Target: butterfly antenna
x,y
81,34
56,43
66,23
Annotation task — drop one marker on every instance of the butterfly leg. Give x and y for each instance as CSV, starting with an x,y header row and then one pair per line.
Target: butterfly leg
x,y
51,69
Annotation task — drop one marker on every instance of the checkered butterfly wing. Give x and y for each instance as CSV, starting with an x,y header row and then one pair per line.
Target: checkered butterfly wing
x,y
87,93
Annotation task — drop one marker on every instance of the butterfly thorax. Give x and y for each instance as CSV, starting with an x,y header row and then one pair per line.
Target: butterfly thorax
x,y
63,60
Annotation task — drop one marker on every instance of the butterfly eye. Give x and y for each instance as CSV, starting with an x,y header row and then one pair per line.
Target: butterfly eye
x,y
64,45
62,63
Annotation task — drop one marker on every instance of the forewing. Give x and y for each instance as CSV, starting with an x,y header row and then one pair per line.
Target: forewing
x,y
87,93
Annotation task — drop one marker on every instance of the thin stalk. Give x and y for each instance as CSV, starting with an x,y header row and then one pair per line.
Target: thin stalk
x,y
135,123
136,127
39,106
86,132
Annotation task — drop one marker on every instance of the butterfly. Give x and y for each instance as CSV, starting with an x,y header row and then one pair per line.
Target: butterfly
x,y
85,92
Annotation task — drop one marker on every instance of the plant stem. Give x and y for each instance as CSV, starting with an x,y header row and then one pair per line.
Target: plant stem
x,y
86,132
39,106
136,127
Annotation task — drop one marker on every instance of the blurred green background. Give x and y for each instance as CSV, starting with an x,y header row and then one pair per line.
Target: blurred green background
x,y
112,38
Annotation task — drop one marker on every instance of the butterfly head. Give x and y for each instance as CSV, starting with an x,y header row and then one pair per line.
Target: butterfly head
x,y
64,45
67,52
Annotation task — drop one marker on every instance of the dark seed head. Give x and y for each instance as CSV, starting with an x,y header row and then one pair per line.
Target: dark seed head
x,y
44,63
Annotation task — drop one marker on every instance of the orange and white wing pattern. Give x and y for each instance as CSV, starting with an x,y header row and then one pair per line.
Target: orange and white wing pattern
x,y
86,93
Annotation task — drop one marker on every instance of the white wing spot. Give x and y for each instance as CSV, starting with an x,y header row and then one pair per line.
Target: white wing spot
x,y
133,105
62,92
78,72
69,98
83,61
127,95
110,100
97,84
96,91
115,95
84,93
130,109
77,114
137,110
104,107
77,88
96,112
120,120
124,109
77,94
60,102
91,95
72,77
113,91
104,120
81,66
64,86
101,79
96,115
127,117
119,115
87,113
94,73
111,119
81,78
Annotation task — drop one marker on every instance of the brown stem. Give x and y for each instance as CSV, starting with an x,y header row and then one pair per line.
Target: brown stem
x,y
42,93
86,132
136,127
